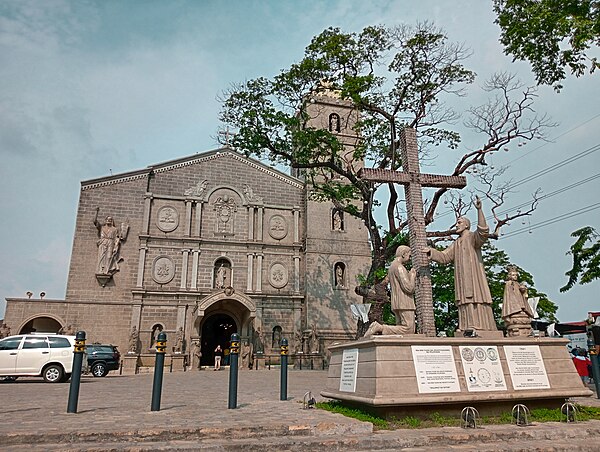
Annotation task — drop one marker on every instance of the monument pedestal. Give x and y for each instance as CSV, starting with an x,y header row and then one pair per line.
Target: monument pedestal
x,y
394,375
130,364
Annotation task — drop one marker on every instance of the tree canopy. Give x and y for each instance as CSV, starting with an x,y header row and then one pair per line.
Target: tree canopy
x,y
552,35
393,78
586,259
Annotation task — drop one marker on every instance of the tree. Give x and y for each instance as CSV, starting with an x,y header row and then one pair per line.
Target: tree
x,y
551,34
496,263
586,259
393,77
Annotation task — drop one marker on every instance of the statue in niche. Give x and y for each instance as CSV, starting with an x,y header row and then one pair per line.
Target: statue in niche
x,y
221,277
337,220
334,122
134,337
516,312
109,244
260,340
179,341
472,293
297,342
339,275
225,209
198,190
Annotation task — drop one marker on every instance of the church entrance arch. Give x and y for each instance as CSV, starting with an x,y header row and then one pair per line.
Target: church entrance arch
x,y
216,330
41,324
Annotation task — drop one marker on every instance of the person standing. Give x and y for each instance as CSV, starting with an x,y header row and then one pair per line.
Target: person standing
x,y
218,357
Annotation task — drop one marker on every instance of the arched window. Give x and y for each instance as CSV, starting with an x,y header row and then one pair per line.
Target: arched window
x,y
222,274
339,275
334,122
276,339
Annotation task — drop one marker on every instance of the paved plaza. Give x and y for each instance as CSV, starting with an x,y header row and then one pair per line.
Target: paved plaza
x,y
114,414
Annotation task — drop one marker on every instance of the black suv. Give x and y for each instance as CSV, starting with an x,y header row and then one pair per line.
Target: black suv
x,y
102,359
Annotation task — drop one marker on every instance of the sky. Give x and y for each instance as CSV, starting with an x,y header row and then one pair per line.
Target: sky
x,y
93,88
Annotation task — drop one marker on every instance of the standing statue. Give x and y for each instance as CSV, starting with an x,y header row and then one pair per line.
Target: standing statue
x,y
472,294
516,312
402,285
313,340
179,340
220,277
339,276
337,221
297,342
4,330
197,355
109,244
134,337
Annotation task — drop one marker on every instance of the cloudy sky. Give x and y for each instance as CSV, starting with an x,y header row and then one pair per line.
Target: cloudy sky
x,y
90,88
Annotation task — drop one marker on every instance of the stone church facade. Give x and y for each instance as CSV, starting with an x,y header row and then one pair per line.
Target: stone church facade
x,y
208,245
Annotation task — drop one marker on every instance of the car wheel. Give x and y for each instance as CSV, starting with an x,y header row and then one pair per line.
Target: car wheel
x,y
99,370
53,374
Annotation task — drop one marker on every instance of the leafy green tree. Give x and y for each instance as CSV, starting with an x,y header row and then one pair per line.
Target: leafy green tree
x,y
551,34
496,263
586,259
393,78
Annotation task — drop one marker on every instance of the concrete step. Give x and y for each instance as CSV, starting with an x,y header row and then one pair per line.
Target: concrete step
x,y
543,437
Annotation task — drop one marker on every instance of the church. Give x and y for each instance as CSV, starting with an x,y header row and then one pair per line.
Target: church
x,y
205,246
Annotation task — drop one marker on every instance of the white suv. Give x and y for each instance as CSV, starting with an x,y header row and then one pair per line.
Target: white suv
x,y
37,354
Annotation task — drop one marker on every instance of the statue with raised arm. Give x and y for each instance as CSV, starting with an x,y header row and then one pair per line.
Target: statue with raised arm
x,y
133,340
472,293
109,244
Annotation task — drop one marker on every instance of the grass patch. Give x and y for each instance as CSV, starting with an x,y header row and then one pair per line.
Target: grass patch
x,y
539,415
355,413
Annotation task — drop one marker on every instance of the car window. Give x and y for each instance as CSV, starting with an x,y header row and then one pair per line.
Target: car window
x,y
35,342
11,343
59,342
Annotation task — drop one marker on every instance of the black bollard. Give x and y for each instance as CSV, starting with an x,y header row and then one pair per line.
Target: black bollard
x,y
595,364
76,371
234,351
159,365
284,369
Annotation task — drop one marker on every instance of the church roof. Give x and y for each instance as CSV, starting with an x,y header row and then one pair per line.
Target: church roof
x,y
223,152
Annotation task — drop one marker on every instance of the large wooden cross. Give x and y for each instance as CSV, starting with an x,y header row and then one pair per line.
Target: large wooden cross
x,y
413,180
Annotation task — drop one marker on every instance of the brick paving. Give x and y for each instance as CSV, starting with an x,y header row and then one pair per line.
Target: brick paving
x,y
114,414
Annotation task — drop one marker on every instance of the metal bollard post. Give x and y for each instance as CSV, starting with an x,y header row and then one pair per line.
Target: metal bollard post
x,y
595,365
234,350
284,369
159,365
76,371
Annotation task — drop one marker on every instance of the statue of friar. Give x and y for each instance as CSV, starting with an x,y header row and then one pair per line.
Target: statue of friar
x,y
516,312
472,293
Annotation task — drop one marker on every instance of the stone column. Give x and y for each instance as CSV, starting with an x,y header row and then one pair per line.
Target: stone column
x,y
296,224
195,256
251,210
147,209
259,272
141,266
184,269
188,217
259,226
296,274
198,219
250,272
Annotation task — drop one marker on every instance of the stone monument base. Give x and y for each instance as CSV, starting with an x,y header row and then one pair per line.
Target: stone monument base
x,y
393,375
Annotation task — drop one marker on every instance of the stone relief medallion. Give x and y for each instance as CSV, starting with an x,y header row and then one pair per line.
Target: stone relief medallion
x,y
163,270
278,227
278,275
167,219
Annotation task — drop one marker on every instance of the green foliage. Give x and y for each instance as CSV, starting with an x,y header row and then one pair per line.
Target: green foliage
x,y
586,259
551,34
355,413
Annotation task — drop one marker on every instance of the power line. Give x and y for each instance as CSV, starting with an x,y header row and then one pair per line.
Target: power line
x,y
556,219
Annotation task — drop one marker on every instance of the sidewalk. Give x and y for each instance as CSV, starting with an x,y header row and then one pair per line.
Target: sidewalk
x,y
114,414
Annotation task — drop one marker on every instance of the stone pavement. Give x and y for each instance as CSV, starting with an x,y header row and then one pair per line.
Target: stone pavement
x,y
114,414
